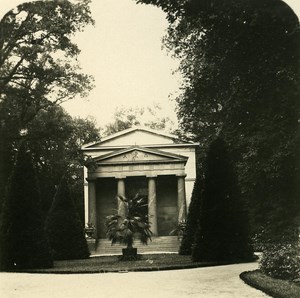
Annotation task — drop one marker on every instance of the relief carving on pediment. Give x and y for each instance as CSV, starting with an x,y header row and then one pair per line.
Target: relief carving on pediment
x,y
135,155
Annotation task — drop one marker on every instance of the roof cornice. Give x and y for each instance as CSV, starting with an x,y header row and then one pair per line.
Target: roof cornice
x,y
129,130
142,146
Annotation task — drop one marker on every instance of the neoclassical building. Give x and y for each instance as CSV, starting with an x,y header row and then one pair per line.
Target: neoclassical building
x,y
156,165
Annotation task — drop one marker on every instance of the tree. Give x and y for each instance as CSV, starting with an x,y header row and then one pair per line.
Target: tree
x,y
64,228
133,116
222,233
37,56
55,140
38,66
192,218
23,242
240,62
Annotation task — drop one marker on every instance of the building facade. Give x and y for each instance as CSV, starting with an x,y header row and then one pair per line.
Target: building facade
x,y
156,165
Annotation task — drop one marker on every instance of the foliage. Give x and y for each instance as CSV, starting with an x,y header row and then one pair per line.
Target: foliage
x,y
134,224
281,254
222,231
38,67
128,117
37,56
179,230
55,140
281,260
192,218
229,54
271,286
23,242
64,228
173,8
240,62
90,231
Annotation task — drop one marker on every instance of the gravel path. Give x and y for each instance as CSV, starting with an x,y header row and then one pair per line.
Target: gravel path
x,y
221,281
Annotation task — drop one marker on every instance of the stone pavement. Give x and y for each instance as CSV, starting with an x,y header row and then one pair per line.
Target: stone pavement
x,y
221,281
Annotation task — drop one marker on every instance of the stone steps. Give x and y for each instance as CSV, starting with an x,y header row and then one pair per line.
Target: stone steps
x,y
168,244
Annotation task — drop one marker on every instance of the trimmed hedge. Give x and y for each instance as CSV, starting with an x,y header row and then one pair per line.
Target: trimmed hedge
x,y
64,228
23,241
222,233
276,288
192,219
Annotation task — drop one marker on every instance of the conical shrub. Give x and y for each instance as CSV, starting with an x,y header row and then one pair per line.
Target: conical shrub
x,y
192,219
64,228
222,233
23,241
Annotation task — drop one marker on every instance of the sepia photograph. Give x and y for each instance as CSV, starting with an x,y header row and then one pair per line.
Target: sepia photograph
x,y
149,148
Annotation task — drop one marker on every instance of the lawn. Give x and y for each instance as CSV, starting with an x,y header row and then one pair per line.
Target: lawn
x,y
276,288
147,262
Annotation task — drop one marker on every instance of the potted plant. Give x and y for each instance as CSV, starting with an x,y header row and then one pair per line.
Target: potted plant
x,y
134,224
90,231
179,230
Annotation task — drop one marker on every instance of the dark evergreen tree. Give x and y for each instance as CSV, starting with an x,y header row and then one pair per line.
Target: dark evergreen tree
x,y
192,218
222,231
23,242
64,228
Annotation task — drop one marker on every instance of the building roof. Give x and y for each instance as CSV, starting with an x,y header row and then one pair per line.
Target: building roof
x,y
137,135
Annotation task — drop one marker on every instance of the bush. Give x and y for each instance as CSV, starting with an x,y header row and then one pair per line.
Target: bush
x,y
23,241
64,228
133,224
192,220
281,261
276,288
222,233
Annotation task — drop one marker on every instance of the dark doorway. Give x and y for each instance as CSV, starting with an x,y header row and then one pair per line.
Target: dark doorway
x,y
106,193
167,210
138,186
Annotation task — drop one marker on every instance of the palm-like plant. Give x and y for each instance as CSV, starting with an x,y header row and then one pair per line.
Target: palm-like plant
x,y
134,224
179,230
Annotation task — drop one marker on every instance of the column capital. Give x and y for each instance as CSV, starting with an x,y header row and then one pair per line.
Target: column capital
x,y
90,179
151,176
120,177
181,175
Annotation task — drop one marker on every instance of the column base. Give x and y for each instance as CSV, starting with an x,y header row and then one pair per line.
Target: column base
x,y
92,244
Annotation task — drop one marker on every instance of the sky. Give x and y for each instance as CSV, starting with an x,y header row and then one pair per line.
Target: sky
x,y
123,51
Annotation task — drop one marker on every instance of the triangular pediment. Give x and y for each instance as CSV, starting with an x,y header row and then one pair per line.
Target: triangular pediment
x,y
139,155
136,136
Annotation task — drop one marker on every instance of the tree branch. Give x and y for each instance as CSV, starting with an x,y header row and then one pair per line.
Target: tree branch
x,y
10,76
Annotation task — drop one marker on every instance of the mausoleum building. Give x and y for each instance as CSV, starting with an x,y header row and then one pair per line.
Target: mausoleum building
x,y
156,165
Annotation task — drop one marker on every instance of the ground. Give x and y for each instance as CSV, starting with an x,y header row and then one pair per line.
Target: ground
x,y
145,262
220,281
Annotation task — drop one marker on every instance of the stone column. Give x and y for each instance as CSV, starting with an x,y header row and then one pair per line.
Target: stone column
x,y
181,198
121,192
92,212
86,196
92,205
152,208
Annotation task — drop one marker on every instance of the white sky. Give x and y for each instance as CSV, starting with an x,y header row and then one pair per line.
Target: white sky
x,y
123,53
